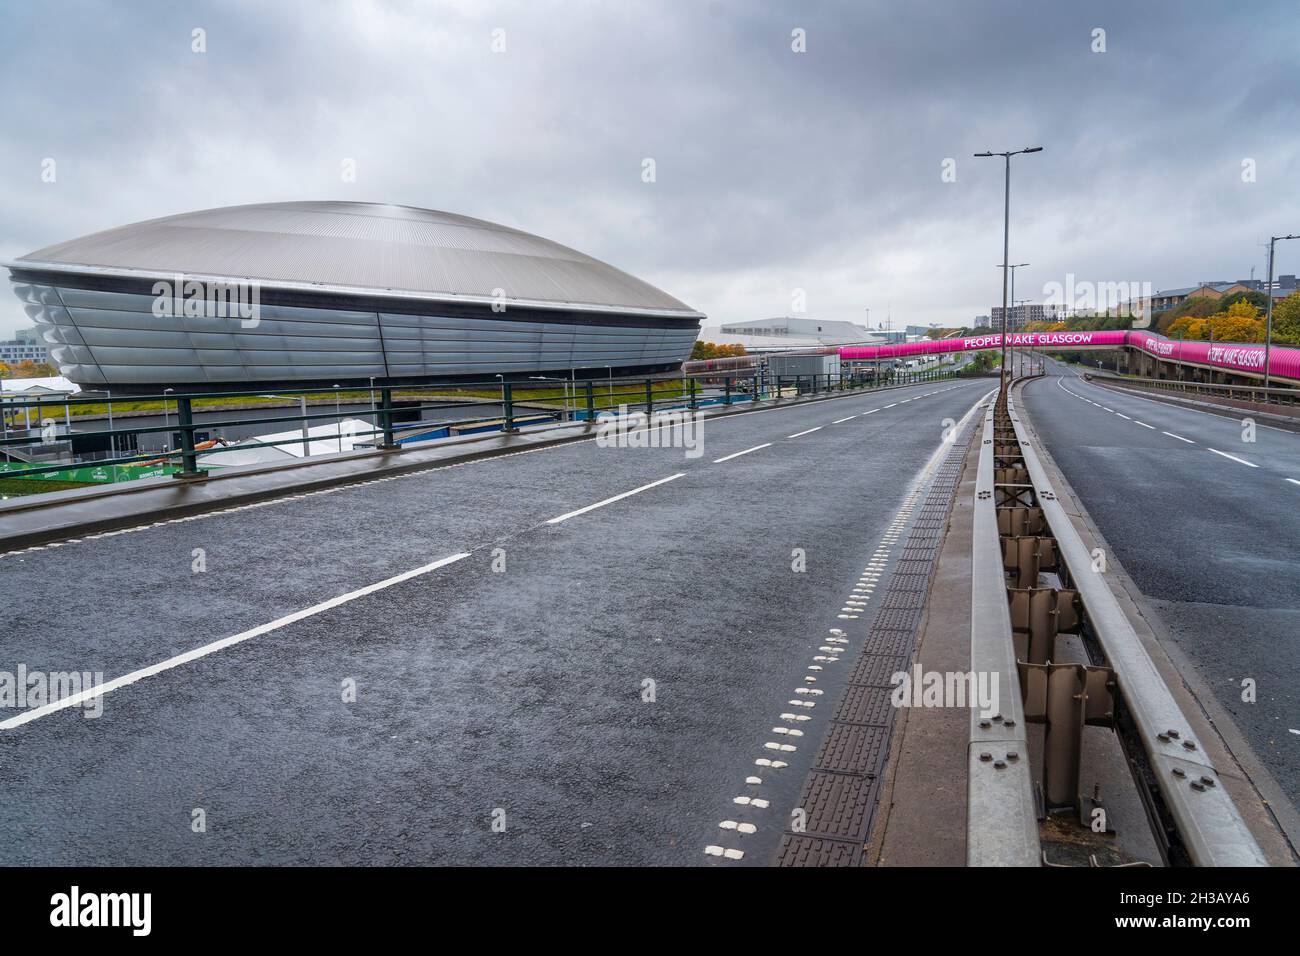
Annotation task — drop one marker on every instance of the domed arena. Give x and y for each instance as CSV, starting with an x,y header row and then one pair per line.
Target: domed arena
x,y
326,293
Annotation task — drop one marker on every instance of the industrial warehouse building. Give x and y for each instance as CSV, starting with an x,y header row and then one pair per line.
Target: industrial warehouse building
x,y
338,293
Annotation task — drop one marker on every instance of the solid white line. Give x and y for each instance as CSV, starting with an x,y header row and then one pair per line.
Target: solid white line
x,y
840,421
808,432
1144,424
1233,457
718,461
222,644
610,501
1179,437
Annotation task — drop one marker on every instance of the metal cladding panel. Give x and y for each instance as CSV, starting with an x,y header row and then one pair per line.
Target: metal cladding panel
x,y
367,246
114,337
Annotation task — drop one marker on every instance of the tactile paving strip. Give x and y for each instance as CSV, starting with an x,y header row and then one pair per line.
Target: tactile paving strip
x,y
840,794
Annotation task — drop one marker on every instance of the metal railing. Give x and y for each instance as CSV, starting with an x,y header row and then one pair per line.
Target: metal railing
x,y
392,411
1001,818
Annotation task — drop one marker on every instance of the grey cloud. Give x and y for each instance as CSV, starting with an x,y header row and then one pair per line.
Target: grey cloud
x,y
775,170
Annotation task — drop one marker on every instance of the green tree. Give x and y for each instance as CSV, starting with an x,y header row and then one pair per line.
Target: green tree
x,y
1286,320
1257,299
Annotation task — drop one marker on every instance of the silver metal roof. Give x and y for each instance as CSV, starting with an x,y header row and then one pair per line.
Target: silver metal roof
x,y
360,247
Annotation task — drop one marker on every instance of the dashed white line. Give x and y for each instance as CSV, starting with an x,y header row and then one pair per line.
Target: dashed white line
x,y
1293,481
718,461
808,431
1144,424
137,675
610,501
1179,437
1233,457
841,421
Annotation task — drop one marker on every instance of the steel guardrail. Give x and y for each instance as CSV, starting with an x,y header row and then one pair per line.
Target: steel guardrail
x,y
1208,822
1001,819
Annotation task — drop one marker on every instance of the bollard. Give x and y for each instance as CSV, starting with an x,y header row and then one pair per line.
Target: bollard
x,y
649,399
694,401
591,402
726,400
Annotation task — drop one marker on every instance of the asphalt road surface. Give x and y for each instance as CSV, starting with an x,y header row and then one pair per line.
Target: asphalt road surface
x,y
499,716
1207,524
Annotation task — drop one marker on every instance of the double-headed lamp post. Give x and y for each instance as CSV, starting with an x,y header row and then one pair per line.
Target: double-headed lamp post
x,y
1006,243
1268,292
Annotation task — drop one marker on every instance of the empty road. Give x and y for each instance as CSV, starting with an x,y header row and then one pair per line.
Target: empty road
x,y
568,655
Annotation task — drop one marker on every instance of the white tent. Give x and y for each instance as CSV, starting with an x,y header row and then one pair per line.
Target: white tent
x,y
321,440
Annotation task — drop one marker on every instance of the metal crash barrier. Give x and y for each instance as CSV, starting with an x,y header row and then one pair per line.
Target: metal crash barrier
x,y
1032,580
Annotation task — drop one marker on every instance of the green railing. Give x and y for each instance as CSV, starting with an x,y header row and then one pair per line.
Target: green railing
x,y
569,400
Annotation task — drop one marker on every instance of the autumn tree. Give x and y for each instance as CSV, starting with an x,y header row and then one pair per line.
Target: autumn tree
x,y
1241,323
711,350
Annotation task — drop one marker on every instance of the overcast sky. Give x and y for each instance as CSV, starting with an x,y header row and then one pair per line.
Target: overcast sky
x,y
775,170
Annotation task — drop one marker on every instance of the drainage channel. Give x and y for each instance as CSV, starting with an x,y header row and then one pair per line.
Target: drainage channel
x,y
1033,580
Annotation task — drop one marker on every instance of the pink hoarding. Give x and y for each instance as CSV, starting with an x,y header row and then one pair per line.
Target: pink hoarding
x,y
1284,361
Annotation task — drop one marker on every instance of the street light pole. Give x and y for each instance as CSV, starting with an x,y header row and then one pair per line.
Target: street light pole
x,y
1006,244
1013,269
1268,292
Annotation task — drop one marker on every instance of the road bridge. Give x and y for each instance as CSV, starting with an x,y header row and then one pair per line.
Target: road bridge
x,y
580,653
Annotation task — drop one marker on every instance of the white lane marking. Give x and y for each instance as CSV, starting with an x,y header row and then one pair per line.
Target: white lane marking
x,y
1179,437
1122,415
718,461
1233,457
891,406
872,412
225,642
807,432
1293,481
841,421
1111,410
610,501
1144,424
1153,401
